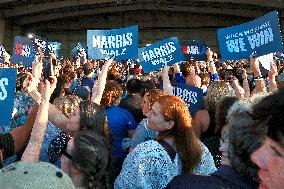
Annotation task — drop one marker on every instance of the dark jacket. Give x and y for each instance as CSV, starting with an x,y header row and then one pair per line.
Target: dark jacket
x,y
133,104
224,178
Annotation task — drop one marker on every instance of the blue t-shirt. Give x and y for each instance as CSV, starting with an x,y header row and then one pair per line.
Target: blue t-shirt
x,y
179,77
120,121
89,82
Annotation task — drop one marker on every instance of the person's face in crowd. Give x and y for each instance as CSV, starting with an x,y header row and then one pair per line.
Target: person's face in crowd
x,y
65,159
117,101
224,148
224,66
74,120
196,81
145,106
270,160
192,70
156,119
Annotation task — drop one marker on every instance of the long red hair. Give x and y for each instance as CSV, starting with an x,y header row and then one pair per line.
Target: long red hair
x,y
174,109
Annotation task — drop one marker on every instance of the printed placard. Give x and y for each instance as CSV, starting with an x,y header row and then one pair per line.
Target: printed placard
x,y
2,53
256,38
40,42
192,96
78,47
53,47
23,52
7,94
194,50
123,43
159,54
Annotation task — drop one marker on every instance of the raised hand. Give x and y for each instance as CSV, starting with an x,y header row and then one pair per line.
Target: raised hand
x,y
254,64
176,68
37,68
30,85
209,55
273,71
244,74
48,88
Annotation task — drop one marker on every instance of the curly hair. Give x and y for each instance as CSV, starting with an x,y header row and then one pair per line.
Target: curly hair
x,y
67,104
217,90
173,108
92,156
205,78
244,137
112,92
187,68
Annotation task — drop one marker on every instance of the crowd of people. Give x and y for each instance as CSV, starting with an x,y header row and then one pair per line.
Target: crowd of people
x,y
94,124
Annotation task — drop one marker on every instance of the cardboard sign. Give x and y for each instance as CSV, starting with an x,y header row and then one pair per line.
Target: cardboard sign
x,y
78,47
123,43
192,96
258,37
159,54
40,42
7,94
194,50
23,52
2,53
53,47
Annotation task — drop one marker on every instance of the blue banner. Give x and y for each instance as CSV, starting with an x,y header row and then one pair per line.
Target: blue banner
x,y
194,50
40,42
192,96
2,53
123,43
258,37
23,52
53,47
7,94
159,54
77,48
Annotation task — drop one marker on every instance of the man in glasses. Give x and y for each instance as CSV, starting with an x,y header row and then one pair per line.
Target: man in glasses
x,y
270,156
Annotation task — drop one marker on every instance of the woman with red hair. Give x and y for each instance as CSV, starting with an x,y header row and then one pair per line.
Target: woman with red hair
x,y
176,150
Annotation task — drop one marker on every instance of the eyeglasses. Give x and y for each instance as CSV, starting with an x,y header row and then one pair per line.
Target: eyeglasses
x,y
66,154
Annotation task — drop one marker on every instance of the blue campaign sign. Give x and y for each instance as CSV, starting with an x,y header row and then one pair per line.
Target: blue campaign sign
x,y
258,37
194,50
2,53
7,94
40,42
123,43
77,48
23,52
159,54
192,96
53,47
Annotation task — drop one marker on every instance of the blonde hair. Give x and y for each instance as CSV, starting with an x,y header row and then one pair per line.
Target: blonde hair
x,y
67,104
216,92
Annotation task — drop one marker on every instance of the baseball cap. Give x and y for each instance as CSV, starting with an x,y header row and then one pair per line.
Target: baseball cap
x,y
30,175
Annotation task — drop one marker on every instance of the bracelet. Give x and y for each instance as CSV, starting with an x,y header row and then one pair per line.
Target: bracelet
x,y
258,78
